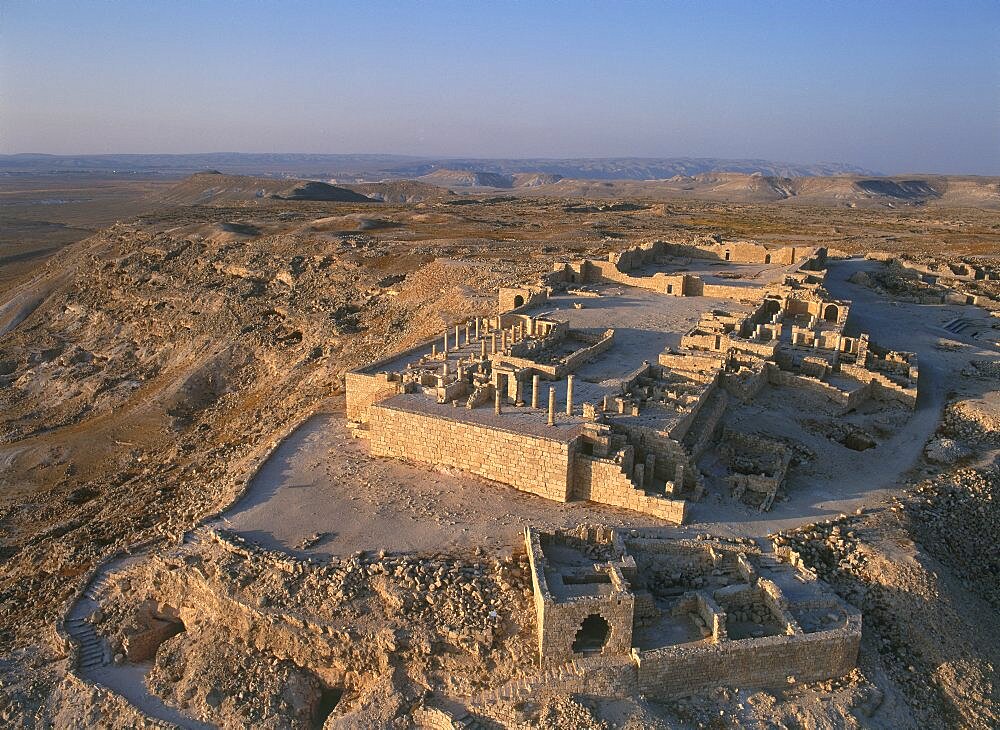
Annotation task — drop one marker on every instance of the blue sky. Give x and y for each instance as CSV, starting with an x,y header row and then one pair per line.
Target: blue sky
x,y
893,86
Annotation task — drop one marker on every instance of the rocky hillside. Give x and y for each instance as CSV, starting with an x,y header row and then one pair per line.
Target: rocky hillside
x,y
401,191
214,188
479,179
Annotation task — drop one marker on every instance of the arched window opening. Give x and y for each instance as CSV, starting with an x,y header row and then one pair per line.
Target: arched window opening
x,y
593,635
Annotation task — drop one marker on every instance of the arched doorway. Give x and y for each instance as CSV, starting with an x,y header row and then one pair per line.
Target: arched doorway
x,y
767,259
593,635
518,301
727,255
831,313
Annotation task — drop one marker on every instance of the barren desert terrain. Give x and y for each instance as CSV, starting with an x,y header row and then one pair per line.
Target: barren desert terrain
x,y
196,534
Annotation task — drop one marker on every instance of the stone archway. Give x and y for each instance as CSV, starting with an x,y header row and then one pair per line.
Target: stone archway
x,y
518,301
831,313
593,635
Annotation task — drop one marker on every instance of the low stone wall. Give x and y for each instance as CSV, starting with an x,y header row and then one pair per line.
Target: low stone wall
x,y
568,364
880,386
682,670
530,463
668,451
847,399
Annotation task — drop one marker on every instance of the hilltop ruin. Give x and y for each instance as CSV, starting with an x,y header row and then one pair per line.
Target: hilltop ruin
x,y
607,380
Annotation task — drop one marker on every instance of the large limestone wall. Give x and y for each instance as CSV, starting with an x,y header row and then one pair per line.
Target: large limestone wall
x,y
559,622
531,463
745,252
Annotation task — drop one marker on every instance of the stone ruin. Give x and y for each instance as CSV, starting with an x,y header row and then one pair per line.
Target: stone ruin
x,y
528,398
670,617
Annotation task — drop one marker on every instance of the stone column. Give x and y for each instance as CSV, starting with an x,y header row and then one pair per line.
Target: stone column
x,y
650,468
482,348
444,369
552,406
518,392
639,475
477,328
456,336
496,400
569,395
434,350
466,333
493,339
503,340
461,372
445,343
534,390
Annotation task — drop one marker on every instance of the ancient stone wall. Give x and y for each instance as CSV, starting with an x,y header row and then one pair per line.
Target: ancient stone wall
x,y
668,451
602,480
560,621
363,390
531,463
746,252
523,296
681,670
847,399
882,387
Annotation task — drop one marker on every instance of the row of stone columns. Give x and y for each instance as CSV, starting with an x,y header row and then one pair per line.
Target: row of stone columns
x,y
474,331
498,398
479,327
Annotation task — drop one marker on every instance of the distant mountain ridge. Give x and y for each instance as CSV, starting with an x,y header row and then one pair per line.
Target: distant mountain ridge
x,y
472,179
375,167
855,191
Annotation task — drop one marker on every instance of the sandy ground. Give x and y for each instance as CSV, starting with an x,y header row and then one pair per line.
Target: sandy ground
x,y
321,480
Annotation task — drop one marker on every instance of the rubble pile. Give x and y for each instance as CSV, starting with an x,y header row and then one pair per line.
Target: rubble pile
x,y
967,421
951,514
220,678
455,625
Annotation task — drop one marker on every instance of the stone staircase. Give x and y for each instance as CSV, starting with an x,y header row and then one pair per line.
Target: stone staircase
x,y
554,678
93,649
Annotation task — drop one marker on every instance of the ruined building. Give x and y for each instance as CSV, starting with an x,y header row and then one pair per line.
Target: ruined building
x,y
607,380
670,617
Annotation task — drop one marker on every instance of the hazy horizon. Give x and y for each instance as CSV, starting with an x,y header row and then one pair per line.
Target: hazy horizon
x,y
912,88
